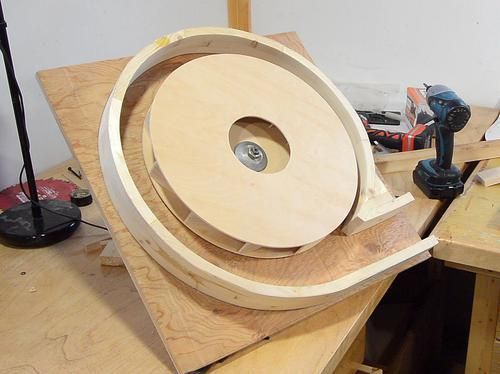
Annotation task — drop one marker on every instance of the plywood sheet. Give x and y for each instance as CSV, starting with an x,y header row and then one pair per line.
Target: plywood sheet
x,y
195,328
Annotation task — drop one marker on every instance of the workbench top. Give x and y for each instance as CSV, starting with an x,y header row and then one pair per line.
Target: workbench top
x,y
469,231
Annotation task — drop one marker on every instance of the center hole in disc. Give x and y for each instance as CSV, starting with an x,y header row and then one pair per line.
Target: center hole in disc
x,y
259,145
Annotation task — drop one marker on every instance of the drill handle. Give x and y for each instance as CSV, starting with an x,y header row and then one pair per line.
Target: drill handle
x,y
444,146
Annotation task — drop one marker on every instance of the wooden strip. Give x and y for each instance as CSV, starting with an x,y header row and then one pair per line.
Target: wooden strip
x,y
407,161
489,177
239,14
483,323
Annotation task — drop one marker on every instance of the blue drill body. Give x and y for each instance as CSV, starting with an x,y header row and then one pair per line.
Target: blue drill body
x,y
438,178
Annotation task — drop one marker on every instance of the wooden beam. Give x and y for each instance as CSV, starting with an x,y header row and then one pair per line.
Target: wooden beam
x,y
239,14
406,161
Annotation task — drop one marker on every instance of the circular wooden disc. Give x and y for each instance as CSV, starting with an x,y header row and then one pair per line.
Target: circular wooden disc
x,y
191,118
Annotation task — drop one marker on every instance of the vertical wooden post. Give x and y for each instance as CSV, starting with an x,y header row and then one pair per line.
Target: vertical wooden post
x,y
239,14
483,325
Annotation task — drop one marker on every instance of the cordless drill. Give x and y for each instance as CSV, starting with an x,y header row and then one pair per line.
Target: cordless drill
x,y
438,178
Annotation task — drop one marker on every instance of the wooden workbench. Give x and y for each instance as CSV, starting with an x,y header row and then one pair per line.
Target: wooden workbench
x,y
469,239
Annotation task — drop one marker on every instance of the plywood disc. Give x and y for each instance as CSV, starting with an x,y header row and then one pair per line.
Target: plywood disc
x,y
191,120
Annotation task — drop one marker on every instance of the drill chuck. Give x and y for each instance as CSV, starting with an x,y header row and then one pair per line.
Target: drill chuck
x,y
450,110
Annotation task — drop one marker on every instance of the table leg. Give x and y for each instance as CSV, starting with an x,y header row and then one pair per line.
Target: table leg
x,y
483,326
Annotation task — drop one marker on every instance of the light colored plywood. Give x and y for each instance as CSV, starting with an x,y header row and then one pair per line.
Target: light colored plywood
x,y
195,329
483,324
239,14
190,121
407,161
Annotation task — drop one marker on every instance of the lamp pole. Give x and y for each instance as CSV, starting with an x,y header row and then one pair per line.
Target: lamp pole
x,y
35,223
17,104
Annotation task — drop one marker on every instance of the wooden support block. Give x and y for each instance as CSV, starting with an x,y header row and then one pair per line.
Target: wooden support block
x,y
239,14
97,245
110,255
489,177
407,161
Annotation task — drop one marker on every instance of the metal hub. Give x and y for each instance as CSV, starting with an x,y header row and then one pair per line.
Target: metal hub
x,y
251,155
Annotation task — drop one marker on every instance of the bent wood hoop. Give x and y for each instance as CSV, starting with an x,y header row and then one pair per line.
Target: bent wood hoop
x,y
167,250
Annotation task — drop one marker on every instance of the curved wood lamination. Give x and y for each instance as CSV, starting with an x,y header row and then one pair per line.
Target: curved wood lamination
x,y
163,245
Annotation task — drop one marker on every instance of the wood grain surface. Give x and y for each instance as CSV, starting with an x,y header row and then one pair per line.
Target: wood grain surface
x,y
195,328
61,312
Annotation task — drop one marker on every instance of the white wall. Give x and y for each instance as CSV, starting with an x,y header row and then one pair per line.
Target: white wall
x,y
50,33
388,44
397,42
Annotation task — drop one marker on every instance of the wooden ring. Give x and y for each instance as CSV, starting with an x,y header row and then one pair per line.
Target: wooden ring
x,y
162,245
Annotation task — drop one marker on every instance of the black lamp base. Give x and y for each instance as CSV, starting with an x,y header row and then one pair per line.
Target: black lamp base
x,y
18,228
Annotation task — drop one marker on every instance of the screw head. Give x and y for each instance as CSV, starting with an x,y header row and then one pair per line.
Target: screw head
x,y
254,153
